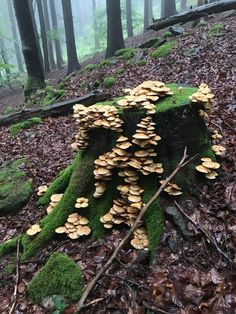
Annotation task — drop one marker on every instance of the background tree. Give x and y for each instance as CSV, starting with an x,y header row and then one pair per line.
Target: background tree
x,y
115,38
31,53
73,64
55,29
95,27
129,21
168,8
48,30
43,36
146,13
183,4
15,37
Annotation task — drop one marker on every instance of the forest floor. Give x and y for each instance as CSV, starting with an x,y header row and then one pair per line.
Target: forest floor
x,y
188,274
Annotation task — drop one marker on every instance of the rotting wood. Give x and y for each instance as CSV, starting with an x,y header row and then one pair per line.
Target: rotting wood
x,y
61,108
186,16
92,283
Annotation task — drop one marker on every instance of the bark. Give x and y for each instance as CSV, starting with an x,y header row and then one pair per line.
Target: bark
x,y
115,40
49,41
146,15
55,27
43,36
31,52
95,27
15,37
183,4
191,15
129,21
168,8
150,11
73,63
202,2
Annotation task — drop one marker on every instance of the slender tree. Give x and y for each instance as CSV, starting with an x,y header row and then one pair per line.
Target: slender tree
x,y
31,53
168,8
183,4
129,21
115,38
43,36
95,27
73,63
55,28
48,30
15,37
146,17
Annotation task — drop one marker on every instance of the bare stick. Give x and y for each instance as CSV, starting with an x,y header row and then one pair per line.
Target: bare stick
x,y
209,237
14,297
93,282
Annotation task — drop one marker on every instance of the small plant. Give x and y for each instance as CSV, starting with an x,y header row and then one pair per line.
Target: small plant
x,y
10,109
59,304
142,63
16,128
90,67
163,50
216,30
109,81
167,35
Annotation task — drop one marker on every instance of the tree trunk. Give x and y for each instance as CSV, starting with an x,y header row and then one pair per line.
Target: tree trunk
x,y
168,8
129,21
146,15
55,27
95,27
150,12
202,2
15,37
183,4
73,63
115,40
49,41
31,53
43,36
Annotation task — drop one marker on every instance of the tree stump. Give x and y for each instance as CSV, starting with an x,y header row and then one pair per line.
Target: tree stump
x,y
179,125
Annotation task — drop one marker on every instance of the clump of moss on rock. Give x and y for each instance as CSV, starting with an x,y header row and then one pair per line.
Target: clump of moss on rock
x,y
16,128
90,67
109,81
126,53
142,63
60,276
163,50
167,35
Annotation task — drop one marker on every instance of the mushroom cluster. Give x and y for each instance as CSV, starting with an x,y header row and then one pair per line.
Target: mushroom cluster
x,y
82,202
75,226
33,230
216,135
218,149
42,189
172,188
203,95
140,240
55,199
208,167
144,95
96,116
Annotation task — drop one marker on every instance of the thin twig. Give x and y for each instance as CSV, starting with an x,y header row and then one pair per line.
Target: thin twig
x,y
154,308
14,296
209,237
93,282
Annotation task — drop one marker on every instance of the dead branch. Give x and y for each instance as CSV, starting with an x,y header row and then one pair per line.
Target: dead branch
x,y
14,296
210,238
93,282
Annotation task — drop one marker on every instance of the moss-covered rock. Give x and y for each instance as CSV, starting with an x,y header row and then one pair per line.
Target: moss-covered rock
x,y
109,81
60,276
163,50
16,128
15,188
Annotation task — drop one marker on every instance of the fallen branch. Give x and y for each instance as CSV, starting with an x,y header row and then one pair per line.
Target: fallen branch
x,y
154,308
215,7
14,296
209,237
92,283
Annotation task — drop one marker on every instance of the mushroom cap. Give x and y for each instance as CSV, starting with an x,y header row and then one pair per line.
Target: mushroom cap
x,y
141,136
72,219
211,164
134,198
137,244
206,159
107,217
60,230
122,139
34,229
202,169
49,209
211,175
141,153
83,221
56,198
73,235
84,230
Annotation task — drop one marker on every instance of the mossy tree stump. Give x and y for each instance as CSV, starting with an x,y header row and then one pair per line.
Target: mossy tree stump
x,y
177,122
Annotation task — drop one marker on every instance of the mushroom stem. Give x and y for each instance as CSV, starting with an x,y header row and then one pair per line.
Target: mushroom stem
x,y
183,162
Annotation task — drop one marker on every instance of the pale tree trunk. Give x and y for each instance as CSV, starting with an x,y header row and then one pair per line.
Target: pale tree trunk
x,y
95,27
115,40
129,22
168,8
31,53
183,4
73,63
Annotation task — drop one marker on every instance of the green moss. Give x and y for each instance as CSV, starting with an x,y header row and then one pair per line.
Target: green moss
x,y
33,83
167,35
90,67
216,29
60,276
163,50
58,186
105,63
10,268
205,147
61,86
126,53
141,63
10,109
8,246
109,81
16,128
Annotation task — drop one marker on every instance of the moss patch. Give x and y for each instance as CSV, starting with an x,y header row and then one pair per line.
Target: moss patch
x,y
142,63
109,81
8,246
16,128
60,276
216,29
163,50
90,67
126,53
